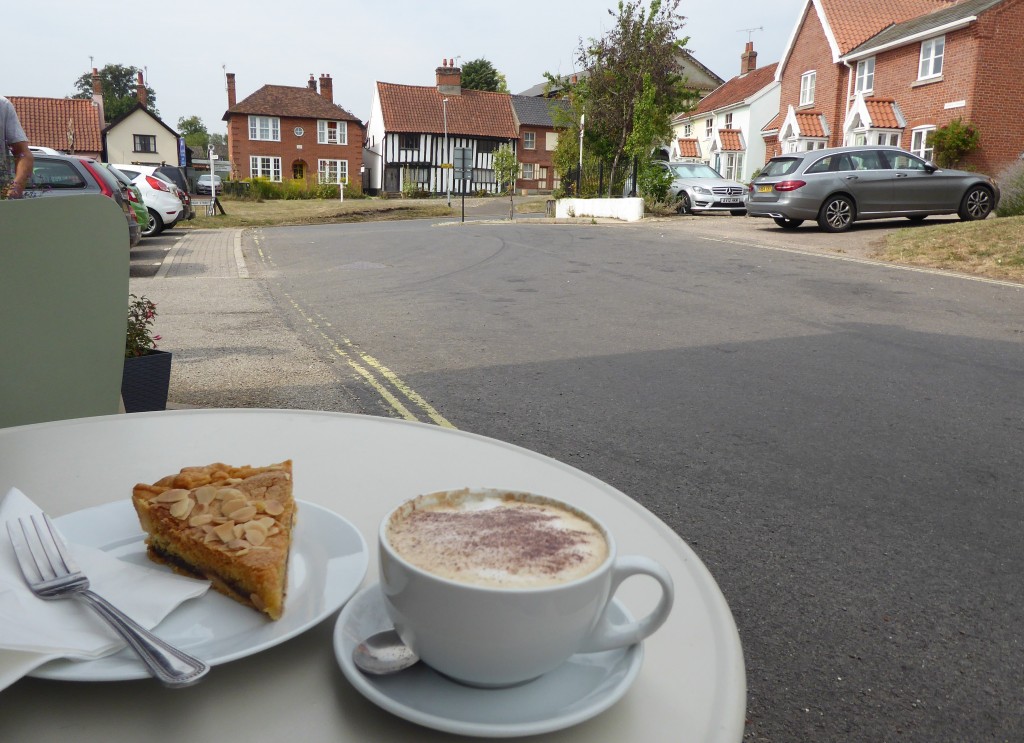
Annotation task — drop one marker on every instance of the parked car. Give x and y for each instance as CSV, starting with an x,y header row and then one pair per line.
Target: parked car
x,y
164,206
842,185
203,183
68,175
700,188
134,196
177,177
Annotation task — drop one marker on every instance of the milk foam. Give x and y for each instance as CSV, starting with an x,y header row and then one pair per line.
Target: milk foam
x,y
502,541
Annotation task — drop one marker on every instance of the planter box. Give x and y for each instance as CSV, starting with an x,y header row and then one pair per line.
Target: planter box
x,y
145,382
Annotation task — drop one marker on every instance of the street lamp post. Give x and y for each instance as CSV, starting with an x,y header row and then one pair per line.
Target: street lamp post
x,y
447,158
579,174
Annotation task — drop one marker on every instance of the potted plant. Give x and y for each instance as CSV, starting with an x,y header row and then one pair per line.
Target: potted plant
x,y
147,370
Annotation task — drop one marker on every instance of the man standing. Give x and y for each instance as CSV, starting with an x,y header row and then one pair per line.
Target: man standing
x,y
13,143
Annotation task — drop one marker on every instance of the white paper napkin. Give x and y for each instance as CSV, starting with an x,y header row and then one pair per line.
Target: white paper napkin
x,y
33,631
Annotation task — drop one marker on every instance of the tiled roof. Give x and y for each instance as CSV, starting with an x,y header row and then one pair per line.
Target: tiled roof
x,y
689,148
775,123
921,24
882,113
811,124
534,111
46,122
855,21
284,100
737,90
731,139
419,109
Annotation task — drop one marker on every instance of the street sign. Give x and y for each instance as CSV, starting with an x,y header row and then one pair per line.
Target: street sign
x,y
464,163
182,161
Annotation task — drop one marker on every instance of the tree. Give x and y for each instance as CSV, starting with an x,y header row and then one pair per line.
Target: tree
x,y
632,84
194,131
479,74
506,168
120,90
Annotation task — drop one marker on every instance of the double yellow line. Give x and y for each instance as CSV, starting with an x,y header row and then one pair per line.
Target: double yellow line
x,y
401,397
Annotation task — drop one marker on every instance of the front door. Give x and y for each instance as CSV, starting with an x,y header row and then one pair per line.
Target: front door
x,y
392,179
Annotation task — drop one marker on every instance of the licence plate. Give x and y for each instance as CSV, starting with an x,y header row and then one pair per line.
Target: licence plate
x,y
729,201
765,189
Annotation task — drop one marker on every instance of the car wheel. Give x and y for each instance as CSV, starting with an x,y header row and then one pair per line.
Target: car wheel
x,y
788,224
738,212
976,204
836,214
684,204
156,225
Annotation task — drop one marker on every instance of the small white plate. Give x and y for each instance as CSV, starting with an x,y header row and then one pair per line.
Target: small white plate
x,y
586,685
327,563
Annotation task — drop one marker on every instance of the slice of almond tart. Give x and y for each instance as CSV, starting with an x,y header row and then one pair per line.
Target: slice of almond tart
x,y
229,525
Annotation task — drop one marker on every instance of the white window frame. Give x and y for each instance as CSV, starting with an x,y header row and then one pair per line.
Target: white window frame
x,y
550,141
325,134
529,140
709,127
332,171
528,173
932,53
865,80
919,143
733,169
687,130
265,128
728,120
807,83
265,166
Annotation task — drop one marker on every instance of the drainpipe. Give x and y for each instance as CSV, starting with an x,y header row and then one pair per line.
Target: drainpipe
x,y
849,84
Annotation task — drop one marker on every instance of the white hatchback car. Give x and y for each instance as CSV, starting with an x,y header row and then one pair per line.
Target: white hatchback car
x,y
165,208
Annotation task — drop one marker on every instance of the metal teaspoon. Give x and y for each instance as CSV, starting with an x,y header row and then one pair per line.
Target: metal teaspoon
x,y
383,653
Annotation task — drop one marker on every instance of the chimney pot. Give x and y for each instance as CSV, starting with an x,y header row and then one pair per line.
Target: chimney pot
x,y
326,88
449,78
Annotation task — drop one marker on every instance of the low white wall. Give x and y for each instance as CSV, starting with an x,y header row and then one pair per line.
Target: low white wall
x,y
629,210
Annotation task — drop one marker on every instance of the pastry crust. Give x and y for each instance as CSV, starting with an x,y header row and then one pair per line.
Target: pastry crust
x,y
229,525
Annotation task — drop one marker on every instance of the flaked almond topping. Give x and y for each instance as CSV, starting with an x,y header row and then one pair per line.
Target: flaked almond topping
x,y
242,514
172,496
237,544
228,507
205,494
200,519
238,531
227,494
265,521
181,509
273,507
255,537
225,532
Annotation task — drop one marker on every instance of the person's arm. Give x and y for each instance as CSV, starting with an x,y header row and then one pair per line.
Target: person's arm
x,y
23,162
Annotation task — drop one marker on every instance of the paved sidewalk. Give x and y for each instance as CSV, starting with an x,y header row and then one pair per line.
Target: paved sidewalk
x,y
232,344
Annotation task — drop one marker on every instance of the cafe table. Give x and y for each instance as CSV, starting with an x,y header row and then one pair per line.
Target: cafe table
x,y
690,685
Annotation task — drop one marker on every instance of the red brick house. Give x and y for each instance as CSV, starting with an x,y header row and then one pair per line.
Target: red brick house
x,y
281,133
538,138
892,71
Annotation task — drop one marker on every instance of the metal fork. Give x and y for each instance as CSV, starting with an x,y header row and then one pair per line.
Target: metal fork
x,y
52,574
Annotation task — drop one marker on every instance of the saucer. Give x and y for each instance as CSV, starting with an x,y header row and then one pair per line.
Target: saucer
x,y
582,687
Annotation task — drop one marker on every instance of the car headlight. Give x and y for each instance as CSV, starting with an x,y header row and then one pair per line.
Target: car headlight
x,y
702,190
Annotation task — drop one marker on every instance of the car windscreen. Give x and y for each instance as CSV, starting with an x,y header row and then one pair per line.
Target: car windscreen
x,y
119,175
780,166
693,170
56,174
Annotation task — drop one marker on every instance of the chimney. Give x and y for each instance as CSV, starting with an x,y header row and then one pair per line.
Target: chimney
x,y
231,89
748,60
449,78
140,88
311,83
326,88
97,96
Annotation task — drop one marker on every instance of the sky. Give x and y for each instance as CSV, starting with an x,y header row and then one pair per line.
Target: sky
x,y
185,48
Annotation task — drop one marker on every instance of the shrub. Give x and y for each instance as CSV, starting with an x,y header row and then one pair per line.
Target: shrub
x,y
952,142
1011,187
261,189
653,183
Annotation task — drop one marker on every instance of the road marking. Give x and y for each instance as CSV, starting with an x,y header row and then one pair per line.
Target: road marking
x,y
378,376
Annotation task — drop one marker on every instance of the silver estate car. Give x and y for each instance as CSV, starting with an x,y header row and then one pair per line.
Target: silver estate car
x,y
700,188
839,186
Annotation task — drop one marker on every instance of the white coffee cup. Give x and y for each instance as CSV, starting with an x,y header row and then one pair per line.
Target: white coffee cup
x,y
500,635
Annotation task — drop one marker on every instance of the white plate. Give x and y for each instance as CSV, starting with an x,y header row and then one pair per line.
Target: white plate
x,y
586,685
327,563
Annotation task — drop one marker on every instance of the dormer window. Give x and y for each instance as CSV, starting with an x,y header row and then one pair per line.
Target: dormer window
x,y
932,52
807,88
331,132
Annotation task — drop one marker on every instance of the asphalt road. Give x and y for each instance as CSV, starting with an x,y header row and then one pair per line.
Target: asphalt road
x,y
838,439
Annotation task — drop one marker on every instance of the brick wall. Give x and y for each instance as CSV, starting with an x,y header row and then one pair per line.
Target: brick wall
x,y
292,148
811,52
540,157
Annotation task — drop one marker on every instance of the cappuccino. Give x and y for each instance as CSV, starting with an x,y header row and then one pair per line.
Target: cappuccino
x,y
497,539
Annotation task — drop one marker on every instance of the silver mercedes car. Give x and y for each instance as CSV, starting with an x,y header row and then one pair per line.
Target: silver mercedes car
x,y
700,188
842,185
